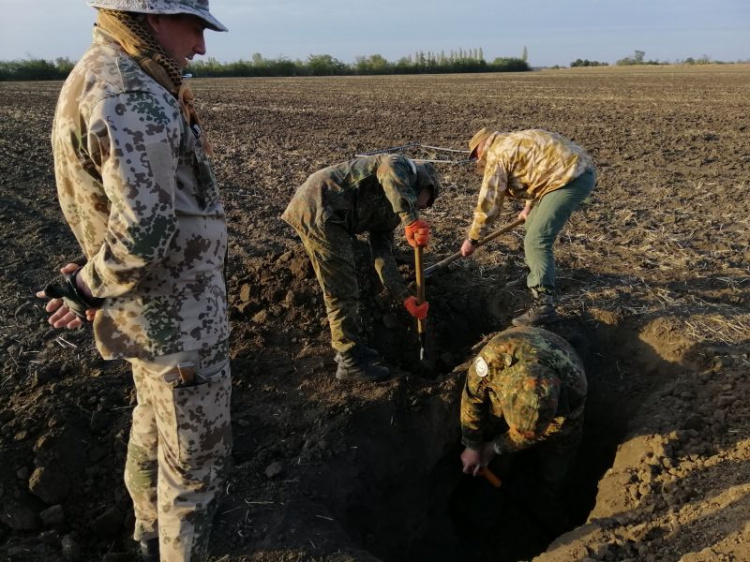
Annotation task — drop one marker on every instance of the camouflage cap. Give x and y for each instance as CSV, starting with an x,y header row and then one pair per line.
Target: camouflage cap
x,y
532,400
167,7
478,139
427,176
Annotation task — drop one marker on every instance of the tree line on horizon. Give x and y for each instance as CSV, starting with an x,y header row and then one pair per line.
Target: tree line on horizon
x,y
422,62
460,61
639,58
325,65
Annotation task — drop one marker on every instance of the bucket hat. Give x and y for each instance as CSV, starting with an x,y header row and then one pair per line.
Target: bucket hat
x,y
478,139
167,7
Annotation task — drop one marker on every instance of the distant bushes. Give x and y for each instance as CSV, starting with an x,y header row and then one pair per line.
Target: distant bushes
x,y
315,65
587,62
637,58
469,61
35,69
326,65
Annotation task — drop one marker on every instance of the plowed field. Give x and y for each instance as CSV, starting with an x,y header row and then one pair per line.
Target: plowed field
x,y
654,275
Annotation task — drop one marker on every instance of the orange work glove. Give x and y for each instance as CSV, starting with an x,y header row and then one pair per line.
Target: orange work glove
x,y
418,233
418,311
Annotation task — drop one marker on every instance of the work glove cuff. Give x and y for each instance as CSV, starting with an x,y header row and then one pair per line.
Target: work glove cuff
x,y
417,233
417,310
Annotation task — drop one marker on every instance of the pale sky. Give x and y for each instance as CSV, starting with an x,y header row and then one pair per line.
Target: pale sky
x,y
553,31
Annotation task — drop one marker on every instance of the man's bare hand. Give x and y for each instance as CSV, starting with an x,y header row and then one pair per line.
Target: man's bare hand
x,y
61,316
471,459
467,248
526,210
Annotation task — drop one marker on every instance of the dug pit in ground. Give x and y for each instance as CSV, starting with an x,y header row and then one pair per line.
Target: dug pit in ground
x,y
402,495
397,490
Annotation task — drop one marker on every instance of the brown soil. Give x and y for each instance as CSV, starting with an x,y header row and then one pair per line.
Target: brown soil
x,y
655,286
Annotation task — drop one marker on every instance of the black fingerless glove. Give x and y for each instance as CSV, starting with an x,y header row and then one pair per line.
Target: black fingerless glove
x,y
67,290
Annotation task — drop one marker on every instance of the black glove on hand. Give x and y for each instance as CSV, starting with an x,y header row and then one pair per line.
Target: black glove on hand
x,y
67,290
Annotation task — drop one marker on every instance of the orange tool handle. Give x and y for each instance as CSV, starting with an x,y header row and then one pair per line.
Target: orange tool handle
x,y
490,476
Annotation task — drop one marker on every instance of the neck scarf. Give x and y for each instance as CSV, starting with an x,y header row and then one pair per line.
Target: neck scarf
x,y
139,43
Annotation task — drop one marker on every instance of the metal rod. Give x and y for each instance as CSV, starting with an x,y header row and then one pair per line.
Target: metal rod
x,y
445,149
391,149
443,161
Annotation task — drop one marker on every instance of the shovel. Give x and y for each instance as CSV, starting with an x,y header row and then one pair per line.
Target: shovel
x,y
490,477
421,328
489,238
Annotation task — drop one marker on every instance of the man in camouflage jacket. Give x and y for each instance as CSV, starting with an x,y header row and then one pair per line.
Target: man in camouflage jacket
x,y
372,194
526,388
554,176
136,188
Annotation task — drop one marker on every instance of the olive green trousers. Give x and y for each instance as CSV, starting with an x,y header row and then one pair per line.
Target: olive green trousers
x,y
331,251
544,223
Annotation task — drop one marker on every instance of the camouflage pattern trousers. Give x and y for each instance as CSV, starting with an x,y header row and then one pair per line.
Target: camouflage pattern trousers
x,y
180,441
331,251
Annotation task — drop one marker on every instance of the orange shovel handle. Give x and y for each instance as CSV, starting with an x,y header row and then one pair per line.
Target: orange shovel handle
x,y
490,476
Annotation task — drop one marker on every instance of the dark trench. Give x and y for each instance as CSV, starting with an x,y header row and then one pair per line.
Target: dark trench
x,y
410,501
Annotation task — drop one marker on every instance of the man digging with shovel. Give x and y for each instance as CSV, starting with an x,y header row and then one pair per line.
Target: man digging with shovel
x,y
554,176
373,194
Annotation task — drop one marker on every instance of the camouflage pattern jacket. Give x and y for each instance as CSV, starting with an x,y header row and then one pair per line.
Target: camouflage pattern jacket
x,y
525,165
527,385
137,190
373,194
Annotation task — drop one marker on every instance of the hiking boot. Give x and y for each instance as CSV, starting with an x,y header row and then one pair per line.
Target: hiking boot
x,y
365,352
542,311
354,365
149,550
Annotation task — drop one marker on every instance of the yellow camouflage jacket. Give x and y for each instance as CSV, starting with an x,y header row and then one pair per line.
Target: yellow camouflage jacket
x,y
525,165
525,386
139,194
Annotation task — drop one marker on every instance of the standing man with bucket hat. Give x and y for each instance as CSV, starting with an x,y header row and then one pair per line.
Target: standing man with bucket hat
x,y
136,187
554,176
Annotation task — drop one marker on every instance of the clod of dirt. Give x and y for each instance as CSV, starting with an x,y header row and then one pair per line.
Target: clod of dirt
x,y
49,485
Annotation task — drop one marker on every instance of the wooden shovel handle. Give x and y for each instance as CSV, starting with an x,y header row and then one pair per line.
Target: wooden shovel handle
x,y
419,267
489,238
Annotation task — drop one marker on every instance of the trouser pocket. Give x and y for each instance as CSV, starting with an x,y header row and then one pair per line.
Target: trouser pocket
x,y
203,429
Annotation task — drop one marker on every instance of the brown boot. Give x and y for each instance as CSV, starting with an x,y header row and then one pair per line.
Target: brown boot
x,y
542,311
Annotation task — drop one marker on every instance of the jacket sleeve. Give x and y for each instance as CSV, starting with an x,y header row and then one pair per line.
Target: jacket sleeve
x,y
473,410
398,181
138,156
491,196
381,246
